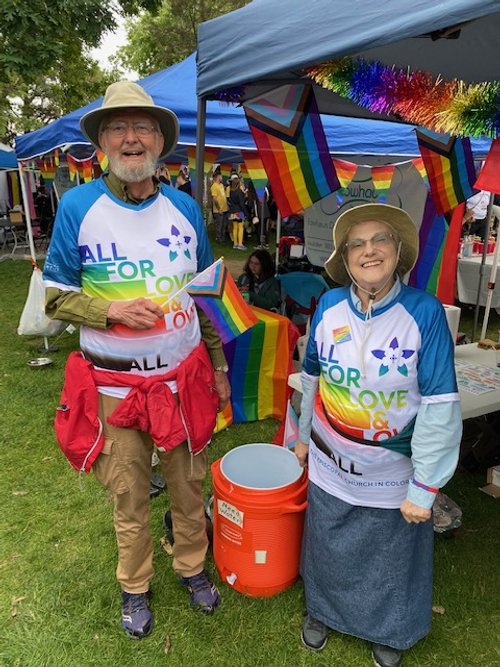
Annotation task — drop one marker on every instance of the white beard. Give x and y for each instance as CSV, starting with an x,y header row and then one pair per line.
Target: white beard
x,y
133,174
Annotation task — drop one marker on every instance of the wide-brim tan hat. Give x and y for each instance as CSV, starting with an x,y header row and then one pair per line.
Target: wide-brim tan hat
x,y
127,95
395,217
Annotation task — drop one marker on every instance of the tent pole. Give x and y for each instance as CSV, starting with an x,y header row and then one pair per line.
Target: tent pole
x,y
278,236
201,118
481,267
26,208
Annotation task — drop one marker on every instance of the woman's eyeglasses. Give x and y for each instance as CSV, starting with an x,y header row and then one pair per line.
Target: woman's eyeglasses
x,y
380,240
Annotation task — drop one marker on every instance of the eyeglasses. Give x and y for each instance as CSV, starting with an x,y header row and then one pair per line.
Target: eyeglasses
x,y
119,129
380,240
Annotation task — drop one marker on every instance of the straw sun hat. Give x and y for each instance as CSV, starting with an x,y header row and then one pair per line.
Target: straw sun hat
x,y
395,217
129,96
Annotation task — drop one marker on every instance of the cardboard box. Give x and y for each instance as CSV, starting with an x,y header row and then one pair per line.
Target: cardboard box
x,y
492,487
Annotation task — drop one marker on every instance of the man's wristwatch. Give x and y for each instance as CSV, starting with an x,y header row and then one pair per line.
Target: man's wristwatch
x,y
222,369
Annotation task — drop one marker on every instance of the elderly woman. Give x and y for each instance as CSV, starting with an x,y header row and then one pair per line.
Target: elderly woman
x,y
257,282
380,428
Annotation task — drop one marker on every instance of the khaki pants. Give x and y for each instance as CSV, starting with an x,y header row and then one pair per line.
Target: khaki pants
x,y
124,468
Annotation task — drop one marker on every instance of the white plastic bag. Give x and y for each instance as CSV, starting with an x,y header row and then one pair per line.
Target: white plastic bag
x,y
34,321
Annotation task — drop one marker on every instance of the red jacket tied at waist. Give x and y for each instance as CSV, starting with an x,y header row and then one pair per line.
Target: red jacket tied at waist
x,y
150,406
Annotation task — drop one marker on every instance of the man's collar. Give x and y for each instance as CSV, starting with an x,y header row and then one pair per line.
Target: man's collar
x,y
120,190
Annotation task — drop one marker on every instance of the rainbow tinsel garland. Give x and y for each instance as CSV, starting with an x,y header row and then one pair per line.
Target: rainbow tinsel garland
x,y
452,107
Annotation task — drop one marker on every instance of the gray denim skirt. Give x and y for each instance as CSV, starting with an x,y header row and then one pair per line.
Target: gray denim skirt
x,y
366,572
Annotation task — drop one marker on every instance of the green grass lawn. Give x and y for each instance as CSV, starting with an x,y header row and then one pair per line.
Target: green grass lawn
x,y
59,601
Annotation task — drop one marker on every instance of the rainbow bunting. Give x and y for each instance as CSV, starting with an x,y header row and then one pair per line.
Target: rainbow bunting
x,y
345,171
450,168
72,166
209,158
439,238
48,172
102,159
256,172
56,157
215,292
382,179
418,163
88,173
287,130
260,361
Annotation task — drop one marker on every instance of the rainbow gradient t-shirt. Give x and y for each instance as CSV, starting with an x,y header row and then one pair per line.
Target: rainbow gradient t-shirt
x,y
373,376
114,250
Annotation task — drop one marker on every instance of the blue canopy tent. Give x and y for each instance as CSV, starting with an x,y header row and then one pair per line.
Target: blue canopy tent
x,y
7,158
226,126
451,38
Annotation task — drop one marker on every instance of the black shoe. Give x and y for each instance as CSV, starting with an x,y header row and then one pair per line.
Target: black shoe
x,y
314,633
385,656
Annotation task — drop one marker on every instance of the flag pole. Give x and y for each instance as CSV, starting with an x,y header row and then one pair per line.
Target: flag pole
x,y
198,275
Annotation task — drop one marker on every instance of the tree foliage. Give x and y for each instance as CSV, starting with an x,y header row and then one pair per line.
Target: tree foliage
x,y
45,69
167,36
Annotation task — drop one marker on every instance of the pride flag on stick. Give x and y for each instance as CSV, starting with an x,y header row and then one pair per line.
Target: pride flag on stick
x,y
216,293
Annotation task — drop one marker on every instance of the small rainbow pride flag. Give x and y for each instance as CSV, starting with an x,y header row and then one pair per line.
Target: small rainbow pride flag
x,y
72,166
216,293
102,158
287,130
88,172
449,165
382,179
256,172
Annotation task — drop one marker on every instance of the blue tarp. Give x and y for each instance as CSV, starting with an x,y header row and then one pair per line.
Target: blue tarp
x,y
175,88
7,159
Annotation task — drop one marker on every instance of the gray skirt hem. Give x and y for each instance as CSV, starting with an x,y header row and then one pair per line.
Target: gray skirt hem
x,y
385,641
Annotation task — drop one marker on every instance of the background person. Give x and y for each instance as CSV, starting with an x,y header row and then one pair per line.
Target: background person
x,y
236,205
258,284
380,427
118,245
475,213
219,207
183,182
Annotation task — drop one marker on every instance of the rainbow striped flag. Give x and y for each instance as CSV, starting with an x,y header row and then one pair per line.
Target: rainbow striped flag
x,y
449,165
439,238
260,361
256,172
225,170
48,171
72,166
88,172
287,130
382,179
56,157
216,293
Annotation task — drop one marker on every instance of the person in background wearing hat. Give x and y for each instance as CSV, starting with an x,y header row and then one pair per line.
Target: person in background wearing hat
x,y
380,429
122,248
236,202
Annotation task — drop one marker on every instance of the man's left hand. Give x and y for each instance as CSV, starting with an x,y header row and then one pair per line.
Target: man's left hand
x,y
223,388
414,513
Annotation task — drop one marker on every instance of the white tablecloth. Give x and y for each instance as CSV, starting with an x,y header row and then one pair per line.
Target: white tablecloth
x,y
468,280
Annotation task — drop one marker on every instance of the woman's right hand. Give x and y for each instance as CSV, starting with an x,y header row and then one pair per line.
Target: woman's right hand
x,y
301,451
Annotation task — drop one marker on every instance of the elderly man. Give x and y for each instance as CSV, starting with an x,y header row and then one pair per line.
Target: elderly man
x,y
122,248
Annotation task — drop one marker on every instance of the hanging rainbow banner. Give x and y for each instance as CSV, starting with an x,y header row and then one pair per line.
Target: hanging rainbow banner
x,y
225,170
102,159
287,130
260,361
382,179
72,166
48,171
449,165
345,171
256,172
439,239
418,163
87,170
209,158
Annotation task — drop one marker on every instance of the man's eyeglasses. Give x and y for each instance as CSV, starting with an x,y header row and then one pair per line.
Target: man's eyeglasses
x,y
119,129
380,240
